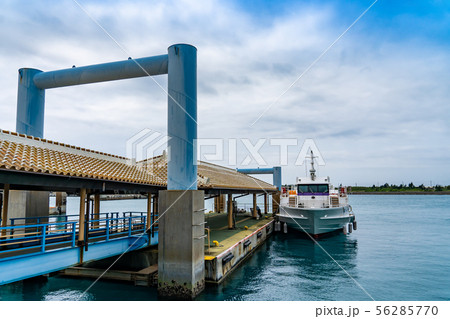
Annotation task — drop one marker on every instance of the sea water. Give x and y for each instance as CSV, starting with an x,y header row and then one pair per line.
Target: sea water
x,y
400,251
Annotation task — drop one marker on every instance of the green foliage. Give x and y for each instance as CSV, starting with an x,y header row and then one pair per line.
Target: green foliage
x,y
411,188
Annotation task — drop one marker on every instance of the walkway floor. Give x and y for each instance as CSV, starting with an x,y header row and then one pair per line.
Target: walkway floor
x,y
218,224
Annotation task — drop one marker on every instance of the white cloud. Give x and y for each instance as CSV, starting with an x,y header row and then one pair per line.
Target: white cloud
x,y
370,104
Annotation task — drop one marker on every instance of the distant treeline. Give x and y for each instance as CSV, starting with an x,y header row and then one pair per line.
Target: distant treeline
x,y
400,188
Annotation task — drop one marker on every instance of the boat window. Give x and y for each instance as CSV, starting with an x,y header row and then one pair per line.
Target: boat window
x,y
313,189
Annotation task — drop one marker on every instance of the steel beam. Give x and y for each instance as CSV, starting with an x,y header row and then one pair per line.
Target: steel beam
x,y
277,177
104,72
181,66
255,170
275,171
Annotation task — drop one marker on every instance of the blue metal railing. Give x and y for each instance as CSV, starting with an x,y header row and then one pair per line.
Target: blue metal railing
x,y
37,237
50,233
107,227
54,218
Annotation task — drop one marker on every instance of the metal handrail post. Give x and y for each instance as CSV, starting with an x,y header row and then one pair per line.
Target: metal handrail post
x,y
12,229
107,229
129,226
74,231
43,237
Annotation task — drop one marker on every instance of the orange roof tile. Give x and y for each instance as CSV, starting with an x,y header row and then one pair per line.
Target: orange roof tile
x,y
25,153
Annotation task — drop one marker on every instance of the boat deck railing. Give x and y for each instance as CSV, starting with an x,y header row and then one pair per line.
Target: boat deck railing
x,y
249,206
322,202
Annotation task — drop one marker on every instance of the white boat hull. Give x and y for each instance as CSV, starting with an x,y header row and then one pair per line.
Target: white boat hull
x,y
316,221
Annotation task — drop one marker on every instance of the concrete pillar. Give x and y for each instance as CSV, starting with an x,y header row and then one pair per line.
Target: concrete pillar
x,y
181,264
28,204
5,208
254,215
230,211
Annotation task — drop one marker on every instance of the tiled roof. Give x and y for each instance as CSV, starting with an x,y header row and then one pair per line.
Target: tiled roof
x,y
209,175
25,153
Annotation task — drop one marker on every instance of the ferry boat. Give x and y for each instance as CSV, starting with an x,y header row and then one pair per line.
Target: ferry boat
x,y
315,207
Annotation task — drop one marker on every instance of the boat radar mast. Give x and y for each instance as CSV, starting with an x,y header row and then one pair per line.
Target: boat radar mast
x,y
312,171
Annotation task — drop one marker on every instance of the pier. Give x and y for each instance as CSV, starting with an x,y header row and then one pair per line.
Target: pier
x,y
176,184
42,244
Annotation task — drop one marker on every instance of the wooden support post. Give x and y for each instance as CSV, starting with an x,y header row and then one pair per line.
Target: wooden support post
x,y
61,203
149,211
87,221
275,202
81,223
58,200
266,203
155,207
254,206
230,211
154,213
216,204
223,203
97,210
5,208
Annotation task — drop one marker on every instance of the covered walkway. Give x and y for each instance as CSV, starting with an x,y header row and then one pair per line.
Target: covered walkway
x,y
32,246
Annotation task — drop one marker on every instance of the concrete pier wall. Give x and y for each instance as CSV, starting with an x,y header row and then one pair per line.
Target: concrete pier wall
x,y
219,267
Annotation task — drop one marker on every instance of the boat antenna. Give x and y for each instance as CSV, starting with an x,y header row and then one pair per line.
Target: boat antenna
x,y
312,171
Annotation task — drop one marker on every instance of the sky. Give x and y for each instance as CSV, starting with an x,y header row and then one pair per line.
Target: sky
x,y
376,102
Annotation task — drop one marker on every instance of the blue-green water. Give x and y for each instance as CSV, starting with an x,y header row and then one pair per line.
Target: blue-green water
x,y
401,251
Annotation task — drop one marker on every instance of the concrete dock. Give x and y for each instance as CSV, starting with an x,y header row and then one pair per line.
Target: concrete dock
x,y
225,250
228,248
